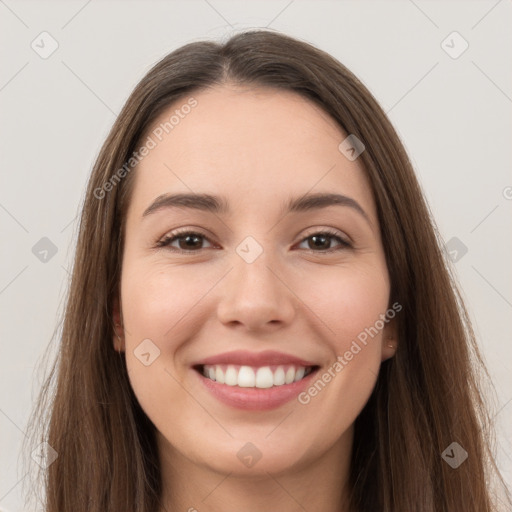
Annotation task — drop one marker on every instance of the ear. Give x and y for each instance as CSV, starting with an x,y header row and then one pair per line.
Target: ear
x,y
118,336
389,340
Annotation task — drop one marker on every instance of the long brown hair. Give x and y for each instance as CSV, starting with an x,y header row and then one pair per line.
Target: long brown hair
x,y
426,397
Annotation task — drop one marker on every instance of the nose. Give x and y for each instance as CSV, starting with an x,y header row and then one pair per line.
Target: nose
x,y
256,296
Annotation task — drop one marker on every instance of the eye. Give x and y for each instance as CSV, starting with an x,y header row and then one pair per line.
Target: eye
x,y
188,241
321,241
191,241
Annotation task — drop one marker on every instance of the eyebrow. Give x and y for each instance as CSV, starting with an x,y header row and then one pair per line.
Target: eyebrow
x,y
220,205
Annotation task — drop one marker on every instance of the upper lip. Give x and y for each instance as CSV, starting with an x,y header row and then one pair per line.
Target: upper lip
x,y
245,358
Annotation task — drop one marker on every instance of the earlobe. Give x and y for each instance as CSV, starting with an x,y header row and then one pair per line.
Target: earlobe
x,y
389,341
389,346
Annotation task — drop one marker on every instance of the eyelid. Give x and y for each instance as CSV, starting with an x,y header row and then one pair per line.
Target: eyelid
x,y
344,241
178,233
328,231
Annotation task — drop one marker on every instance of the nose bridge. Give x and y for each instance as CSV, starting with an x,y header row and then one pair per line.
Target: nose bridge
x,y
253,294
256,277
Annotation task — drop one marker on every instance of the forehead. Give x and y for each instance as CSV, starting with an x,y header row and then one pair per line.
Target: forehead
x,y
256,146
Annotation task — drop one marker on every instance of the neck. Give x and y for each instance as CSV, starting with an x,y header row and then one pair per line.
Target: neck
x,y
320,485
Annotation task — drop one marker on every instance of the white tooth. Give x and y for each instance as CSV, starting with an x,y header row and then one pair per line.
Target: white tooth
x,y
279,377
211,372
290,375
219,374
231,377
246,377
264,377
299,373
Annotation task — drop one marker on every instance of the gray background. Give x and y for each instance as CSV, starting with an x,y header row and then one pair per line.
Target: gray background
x,y
453,115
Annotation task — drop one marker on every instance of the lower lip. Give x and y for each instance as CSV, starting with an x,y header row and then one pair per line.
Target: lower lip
x,y
256,399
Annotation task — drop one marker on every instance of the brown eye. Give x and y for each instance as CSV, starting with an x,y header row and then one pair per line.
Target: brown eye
x,y
321,242
188,241
191,241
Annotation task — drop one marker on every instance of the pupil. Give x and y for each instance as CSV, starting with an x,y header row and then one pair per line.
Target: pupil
x,y
318,241
188,238
316,238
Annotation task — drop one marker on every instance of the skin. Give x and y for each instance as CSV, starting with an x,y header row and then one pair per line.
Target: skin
x,y
259,148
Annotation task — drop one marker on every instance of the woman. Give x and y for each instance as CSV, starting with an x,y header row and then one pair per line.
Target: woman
x,y
260,315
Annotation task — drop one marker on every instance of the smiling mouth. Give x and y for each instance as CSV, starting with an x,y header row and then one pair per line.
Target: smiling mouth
x,y
262,377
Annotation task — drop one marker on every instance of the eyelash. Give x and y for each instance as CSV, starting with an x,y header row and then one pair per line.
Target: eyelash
x,y
167,240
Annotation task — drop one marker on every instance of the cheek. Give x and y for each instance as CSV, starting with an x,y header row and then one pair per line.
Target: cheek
x,y
161,311
157,301
173,305
162,302
348,301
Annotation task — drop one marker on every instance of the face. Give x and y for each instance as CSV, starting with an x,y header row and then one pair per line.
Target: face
x,y
241,324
